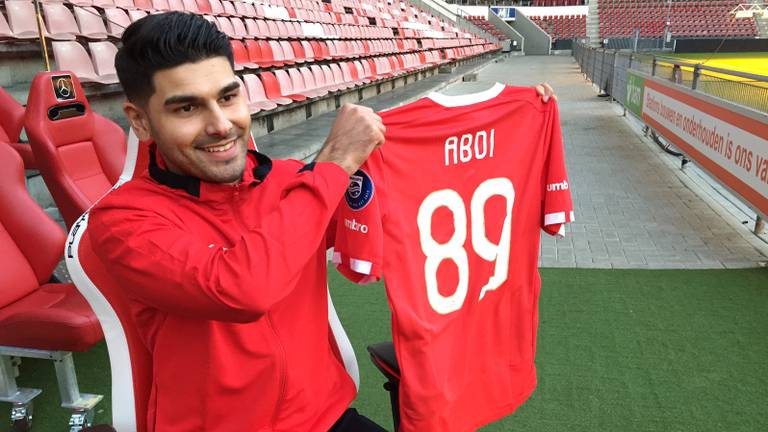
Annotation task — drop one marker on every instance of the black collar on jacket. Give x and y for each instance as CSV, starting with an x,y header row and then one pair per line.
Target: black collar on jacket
x,y
191,185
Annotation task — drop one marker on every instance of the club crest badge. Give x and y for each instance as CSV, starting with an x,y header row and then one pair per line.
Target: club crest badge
x,y
360,190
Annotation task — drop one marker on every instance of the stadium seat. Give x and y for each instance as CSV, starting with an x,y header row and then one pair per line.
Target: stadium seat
x,y
125,4
145,5
311,84
285,85
176,5
204,6
384,358
11,124
70,55
90,23
265,56
135,15
22,20
272,89
190,6
103,58
60,23
241,57
239,27
38,318
5,29
257,99
277,52
117,21
79,153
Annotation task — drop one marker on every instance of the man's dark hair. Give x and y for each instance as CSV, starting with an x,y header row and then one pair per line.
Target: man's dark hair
x,y
164,41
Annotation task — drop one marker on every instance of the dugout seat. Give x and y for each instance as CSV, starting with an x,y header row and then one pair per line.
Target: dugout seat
x,y
384,358
79,153
127,352
38,318
11,124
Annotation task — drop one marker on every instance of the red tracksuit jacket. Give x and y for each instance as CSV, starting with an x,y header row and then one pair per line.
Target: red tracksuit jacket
x,y
228,286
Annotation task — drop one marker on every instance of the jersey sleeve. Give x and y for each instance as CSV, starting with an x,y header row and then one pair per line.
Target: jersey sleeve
x,y
359,237
557,205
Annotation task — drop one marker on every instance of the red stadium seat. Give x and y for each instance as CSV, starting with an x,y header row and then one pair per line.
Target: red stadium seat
x,y
240,30
11,123
288,55
277,53
272,89
161,5
176,5
266,56
37,318
79,153
125,4
70,55
103,58
285,85
5,29
60,23
311,85
257,99
90,23
117,21
217,8
191,6
241,57
136,15
204,6
229,9
145,5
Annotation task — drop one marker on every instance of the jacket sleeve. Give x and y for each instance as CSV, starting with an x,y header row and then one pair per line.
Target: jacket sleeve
x,y
159,264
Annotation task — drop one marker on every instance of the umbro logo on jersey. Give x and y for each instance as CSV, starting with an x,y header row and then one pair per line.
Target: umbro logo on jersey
x,y
356,226
360,190
552,187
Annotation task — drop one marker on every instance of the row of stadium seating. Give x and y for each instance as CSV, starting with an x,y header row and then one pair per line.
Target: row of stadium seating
x,y
65,23
486,25
693,18
557,2
562,26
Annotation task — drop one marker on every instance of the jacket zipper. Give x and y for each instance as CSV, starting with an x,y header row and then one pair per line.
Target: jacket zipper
x,y
281,368
281,350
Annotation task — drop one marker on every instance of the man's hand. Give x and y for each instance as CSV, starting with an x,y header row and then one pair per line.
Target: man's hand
x,y
356,132
546,92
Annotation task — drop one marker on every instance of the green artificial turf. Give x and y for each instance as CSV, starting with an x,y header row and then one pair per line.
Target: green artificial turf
x,y
618,350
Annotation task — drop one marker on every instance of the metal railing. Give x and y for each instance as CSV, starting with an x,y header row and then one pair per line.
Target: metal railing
x,y
607,69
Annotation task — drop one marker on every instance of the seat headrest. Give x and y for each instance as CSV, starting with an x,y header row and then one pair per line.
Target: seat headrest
x,y
50,90
57,110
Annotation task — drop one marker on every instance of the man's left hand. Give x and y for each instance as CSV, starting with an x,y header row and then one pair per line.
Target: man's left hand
x,y
545,92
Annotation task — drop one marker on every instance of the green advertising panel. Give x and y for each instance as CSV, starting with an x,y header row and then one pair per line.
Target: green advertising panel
x,y
635,90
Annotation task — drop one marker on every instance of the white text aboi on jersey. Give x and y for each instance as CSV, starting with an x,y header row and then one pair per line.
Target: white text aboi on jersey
x,y
469,146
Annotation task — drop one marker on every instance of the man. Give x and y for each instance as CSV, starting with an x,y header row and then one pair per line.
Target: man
x,y
221,251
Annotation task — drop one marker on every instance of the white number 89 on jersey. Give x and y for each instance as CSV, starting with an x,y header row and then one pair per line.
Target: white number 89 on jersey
x,y
454,250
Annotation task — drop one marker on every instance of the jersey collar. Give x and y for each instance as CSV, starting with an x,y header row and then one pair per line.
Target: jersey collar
x,y
257,167
467,99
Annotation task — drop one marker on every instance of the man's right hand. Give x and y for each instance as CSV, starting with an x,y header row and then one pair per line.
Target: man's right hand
x,y
356,132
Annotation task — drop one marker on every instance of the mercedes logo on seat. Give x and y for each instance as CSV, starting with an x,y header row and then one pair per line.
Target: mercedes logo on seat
x,y
63,88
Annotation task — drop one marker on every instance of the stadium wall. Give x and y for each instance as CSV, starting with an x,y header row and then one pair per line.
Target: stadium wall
x,y
728,139
727,45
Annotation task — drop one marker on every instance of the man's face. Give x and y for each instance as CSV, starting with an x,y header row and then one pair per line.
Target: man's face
x,y
199,119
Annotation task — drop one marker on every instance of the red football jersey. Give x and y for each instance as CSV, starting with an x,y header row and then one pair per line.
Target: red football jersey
x,y
449,211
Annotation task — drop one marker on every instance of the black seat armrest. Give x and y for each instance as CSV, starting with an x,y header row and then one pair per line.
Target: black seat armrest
x,y
384,358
